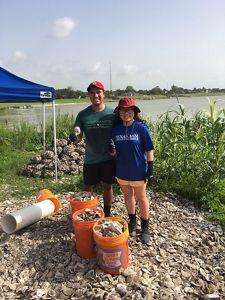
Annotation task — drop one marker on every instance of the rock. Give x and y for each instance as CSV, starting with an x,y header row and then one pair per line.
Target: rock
x,y
121,289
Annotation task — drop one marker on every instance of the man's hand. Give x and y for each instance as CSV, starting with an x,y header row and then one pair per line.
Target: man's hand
x,y
112,149
77,130
149,178
73,137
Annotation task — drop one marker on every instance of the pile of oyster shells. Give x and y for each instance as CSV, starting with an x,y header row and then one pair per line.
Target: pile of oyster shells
x,y
70,159
184,260
88,215
82,196
109,228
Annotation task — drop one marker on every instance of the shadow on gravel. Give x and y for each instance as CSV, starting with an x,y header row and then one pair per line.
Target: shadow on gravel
x,y
51,255
48,228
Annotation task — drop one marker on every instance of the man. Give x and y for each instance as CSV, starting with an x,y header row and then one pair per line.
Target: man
x,y
96,122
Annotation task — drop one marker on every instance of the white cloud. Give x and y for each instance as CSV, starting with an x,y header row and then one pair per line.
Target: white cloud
x,y
18,56
93,69
129,69
60,68
16,59
63,27
1,62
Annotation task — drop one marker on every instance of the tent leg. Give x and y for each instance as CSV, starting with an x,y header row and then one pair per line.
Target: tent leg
x,y
54,136
43,123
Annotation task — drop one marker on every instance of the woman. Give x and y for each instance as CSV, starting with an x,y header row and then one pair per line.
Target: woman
x,y
134,151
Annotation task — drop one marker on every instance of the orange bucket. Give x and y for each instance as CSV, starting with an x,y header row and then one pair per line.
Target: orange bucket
x,y
45,194
112,252
78,204
83,231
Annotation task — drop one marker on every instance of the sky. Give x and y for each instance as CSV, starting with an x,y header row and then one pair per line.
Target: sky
x,y
142,43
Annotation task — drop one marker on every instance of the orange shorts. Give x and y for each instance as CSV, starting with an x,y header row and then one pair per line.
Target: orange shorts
x,y
131,183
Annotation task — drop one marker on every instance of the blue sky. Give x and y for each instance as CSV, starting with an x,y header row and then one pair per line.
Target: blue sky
x,y
148,43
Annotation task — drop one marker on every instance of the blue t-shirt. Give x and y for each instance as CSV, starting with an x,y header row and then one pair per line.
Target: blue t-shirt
x,y
131,145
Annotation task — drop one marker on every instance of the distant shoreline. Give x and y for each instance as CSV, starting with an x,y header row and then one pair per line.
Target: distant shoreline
x,y
26,105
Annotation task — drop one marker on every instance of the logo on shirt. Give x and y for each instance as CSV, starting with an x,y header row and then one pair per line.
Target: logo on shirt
x,y
126,137
100,124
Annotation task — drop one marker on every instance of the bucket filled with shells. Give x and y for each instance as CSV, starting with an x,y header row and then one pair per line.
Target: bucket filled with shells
x,y
111,238
83,222
80,200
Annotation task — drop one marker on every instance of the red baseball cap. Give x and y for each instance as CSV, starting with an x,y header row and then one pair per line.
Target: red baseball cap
x,y
127,102
97,84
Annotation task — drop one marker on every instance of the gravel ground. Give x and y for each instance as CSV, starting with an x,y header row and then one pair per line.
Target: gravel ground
x,y
184,260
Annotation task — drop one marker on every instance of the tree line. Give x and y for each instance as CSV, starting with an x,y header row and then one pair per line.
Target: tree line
x,y
69,92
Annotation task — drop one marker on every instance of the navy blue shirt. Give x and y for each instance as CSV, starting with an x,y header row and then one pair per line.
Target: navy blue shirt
x,y
132,144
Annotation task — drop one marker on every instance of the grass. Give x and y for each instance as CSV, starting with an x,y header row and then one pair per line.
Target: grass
x,y
14,184
189,158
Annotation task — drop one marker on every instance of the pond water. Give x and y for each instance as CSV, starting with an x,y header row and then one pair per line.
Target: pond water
x,y
153,109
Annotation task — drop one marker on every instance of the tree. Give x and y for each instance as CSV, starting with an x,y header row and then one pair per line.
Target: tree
x,y
130,90
176,89
156,91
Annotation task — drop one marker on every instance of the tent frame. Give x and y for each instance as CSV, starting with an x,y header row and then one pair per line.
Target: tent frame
x,y
15,89
54,134
54,138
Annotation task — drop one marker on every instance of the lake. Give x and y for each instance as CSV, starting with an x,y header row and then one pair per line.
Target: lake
x,y
150,108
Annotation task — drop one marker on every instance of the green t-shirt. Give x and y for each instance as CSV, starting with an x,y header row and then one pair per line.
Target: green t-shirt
x,y
97,128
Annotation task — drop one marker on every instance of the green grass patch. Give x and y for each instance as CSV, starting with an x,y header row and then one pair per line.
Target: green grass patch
x,y
13,184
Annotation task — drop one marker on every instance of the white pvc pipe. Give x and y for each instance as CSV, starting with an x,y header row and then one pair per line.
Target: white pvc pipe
x,y
26,216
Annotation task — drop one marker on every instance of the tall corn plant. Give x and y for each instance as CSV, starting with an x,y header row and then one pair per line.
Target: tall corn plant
x,y
190,152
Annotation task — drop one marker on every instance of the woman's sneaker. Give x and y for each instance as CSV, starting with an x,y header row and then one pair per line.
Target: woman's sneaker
x,y
132,227
132,223
145,236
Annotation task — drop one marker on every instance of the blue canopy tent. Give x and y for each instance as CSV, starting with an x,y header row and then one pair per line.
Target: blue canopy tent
x,y
14,89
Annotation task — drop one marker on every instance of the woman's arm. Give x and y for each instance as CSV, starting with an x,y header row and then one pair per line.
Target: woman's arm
x,y
150,155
